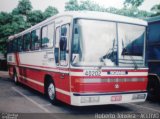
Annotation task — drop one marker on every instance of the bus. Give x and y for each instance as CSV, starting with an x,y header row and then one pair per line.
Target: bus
x,y
82,58
153,57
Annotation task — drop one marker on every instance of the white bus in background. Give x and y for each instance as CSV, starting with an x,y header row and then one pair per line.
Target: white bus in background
x,y
82,58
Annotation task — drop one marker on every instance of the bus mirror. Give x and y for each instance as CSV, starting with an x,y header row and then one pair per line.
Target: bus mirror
x,y
75,58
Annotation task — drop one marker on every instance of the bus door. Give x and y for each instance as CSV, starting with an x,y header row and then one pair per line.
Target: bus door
x,y
62,56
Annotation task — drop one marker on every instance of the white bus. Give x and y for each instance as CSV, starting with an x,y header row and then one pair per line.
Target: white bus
x,y
82,58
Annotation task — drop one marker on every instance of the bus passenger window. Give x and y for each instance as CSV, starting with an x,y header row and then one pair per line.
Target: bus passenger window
x,y
9,47
27,39
35,36
47,36
14,45
20,44
50,35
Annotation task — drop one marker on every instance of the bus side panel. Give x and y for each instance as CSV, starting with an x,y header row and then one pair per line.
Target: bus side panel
x,y
62,83
10,70
32,77
63,97
11,61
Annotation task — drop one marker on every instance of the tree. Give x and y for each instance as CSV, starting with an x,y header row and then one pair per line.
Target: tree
x,y
131,9
156,10
133,3
91,6
10,24
113,10
50,11
24,7
5,18
21,18
35,17
15,11
72,5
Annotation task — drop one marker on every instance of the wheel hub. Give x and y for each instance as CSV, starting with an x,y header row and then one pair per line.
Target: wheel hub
x,y
51,91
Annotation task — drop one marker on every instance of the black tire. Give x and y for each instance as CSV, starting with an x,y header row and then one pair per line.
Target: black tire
x,y
153,89
51,92
15,78
157,90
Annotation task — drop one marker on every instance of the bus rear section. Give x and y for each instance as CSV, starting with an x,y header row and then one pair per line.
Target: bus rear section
x,y
107,63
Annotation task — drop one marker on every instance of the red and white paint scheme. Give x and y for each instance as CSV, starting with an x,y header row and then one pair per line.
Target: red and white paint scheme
x,y
82,58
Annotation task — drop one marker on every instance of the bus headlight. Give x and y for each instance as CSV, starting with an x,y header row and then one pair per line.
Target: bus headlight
x,y
138,96
93,99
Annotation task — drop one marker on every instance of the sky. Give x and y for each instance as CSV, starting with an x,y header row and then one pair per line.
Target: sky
x,y
9,5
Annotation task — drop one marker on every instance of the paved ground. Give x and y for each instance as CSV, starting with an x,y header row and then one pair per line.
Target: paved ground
x,y
19,101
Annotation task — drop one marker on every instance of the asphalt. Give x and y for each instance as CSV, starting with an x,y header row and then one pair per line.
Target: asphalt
x,y
22,102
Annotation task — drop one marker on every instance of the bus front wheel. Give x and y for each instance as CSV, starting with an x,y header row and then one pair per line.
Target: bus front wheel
x,y
51,92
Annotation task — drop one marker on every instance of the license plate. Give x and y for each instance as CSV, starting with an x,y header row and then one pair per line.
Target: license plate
x,y
116,98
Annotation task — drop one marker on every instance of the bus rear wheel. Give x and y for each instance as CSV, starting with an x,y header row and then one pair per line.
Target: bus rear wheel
x,y
15,78
51,92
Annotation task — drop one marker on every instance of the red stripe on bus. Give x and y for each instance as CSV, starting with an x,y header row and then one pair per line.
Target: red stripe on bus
x,y
28,65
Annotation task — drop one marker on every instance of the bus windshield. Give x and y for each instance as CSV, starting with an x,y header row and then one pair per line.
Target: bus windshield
x,y
131,44
95,43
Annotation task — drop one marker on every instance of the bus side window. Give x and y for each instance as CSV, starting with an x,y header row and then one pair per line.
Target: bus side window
x,y
56,50
14,45
20,44
35,36
48,36
27,39
9,47
64,44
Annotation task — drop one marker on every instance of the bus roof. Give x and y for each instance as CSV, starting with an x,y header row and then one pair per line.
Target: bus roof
x,y
105,16
88,15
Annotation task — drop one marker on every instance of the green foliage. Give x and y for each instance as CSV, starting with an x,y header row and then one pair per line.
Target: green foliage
x,y
88,5
5,18
35,17
50,11
21,18
130,8
15,11
132,3
72,5
24,7
133,12
156,10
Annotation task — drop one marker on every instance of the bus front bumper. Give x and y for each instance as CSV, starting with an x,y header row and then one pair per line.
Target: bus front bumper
x,y
85,99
